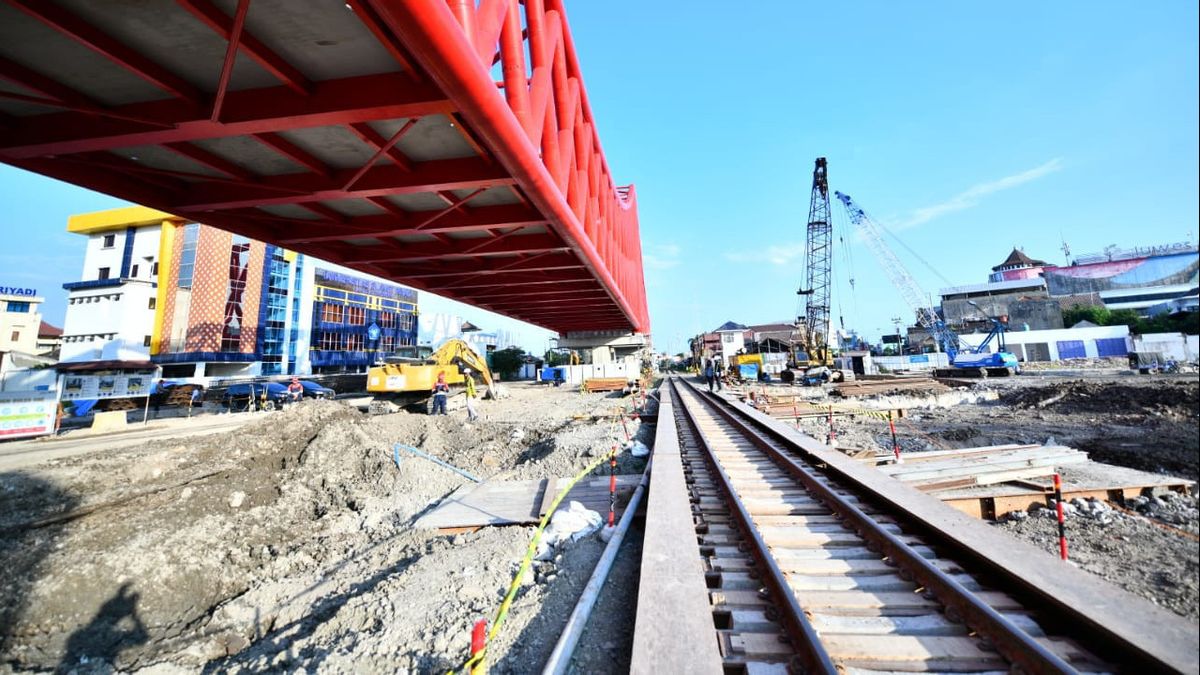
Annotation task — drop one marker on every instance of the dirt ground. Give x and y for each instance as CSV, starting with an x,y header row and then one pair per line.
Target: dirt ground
x,y
1150,423
288,544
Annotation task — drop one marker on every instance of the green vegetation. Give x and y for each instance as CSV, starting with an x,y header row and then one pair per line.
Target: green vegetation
x,y
507,362
1188,322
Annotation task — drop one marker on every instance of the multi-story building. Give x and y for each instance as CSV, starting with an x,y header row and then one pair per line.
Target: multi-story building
x,y
20,320
204,303
1031,292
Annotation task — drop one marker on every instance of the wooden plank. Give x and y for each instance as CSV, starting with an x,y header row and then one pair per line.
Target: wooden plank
x,y
673,631
520,502
957,452
986,459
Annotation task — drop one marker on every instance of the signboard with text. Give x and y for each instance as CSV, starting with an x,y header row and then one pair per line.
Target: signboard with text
x,y
26,414
116,385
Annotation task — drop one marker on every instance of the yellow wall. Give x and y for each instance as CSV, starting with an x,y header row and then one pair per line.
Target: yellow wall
x,y
117,219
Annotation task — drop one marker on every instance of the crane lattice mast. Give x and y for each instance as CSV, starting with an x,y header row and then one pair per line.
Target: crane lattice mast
x,y
818,256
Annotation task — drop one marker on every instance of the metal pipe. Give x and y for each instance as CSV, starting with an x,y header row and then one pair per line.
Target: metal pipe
x,y
560,658
421,453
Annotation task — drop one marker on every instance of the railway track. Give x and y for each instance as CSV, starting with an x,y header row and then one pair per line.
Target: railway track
x,y
806,574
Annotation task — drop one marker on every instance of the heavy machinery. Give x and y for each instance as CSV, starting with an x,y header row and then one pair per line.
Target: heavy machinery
x,y
813,360
747,367
964,359
405,379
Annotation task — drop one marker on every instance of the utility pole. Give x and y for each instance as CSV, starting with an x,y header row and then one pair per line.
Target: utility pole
x,y
899,345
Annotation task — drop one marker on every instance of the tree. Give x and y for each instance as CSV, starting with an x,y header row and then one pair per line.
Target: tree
x,y
507,362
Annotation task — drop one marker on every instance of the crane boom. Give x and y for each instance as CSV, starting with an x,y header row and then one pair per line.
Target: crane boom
x,y
818,256
910,291
963,357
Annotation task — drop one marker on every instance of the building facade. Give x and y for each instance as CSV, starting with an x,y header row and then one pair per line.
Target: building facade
x,y
204,303
1142,279
20,320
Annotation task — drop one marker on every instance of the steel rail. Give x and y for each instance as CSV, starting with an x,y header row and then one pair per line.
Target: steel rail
x,y
1011,641
804,636
1108,632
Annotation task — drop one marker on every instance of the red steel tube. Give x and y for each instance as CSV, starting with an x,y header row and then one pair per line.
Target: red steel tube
x,y
432,36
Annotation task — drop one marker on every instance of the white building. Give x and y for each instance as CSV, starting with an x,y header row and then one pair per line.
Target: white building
x,y
205,304
1062,344
733,340
20,319
111,309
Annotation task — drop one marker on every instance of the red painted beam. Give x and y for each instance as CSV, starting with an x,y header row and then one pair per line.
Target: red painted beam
x,y
432,36
250,111
489,267
213,161
235,40
93,38
449,174
381,144
475,220
556,277
215,19
295,153
579,291
526,244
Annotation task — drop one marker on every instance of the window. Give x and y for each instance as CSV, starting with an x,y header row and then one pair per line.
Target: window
x,y
146,341
16,335
354,342
330,341
387,343
103,273
154,270
18,307
727,338
153,303
356,316
187,256
133,270
387,320
110,240
331,313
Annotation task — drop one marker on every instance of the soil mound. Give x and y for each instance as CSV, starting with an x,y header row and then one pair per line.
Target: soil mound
x,y
1173,399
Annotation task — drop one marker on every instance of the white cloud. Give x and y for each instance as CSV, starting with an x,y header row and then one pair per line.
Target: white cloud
x,y
971,196
662,256
776,254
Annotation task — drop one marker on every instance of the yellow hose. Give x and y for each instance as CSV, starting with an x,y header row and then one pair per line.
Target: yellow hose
x,y
476,665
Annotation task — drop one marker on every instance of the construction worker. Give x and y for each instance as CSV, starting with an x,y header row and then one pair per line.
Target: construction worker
x,y
295,389
472,414
440,391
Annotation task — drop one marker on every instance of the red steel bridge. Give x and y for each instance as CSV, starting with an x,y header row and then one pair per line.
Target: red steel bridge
x,y
445,144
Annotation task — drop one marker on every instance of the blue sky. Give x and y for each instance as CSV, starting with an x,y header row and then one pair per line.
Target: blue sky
x,y
967,128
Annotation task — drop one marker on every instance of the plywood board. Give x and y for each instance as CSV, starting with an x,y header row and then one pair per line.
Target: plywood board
x,y
521,502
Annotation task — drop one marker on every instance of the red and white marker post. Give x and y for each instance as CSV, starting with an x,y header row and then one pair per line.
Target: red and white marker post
x,y
1062,527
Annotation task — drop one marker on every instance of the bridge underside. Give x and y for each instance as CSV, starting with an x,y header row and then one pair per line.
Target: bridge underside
x,y
396,138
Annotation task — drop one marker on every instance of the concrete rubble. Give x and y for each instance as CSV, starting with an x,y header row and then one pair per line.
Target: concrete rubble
x,y
288,544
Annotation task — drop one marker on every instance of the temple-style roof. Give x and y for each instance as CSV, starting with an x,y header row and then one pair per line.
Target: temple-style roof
x,y
1019,259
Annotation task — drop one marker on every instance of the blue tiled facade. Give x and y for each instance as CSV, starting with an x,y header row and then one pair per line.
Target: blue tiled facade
x,y
346,313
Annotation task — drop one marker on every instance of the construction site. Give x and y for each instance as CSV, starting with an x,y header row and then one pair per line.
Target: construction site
x,y
358,375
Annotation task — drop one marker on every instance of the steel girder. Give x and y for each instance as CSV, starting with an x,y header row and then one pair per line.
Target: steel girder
x,y
399,157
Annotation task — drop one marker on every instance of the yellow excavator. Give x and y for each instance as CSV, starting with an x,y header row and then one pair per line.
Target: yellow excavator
x,y
405,379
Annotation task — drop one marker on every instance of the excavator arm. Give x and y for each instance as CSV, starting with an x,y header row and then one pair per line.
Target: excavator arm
x,y
458,352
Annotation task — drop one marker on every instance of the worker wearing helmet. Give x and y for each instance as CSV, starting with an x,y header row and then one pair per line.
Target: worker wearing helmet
x,y
295,390
472,414
441,391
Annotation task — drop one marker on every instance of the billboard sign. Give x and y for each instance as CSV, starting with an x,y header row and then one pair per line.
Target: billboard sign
x,y
106,385
27,414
